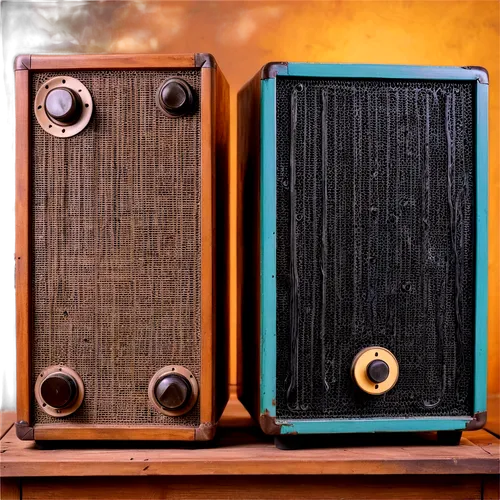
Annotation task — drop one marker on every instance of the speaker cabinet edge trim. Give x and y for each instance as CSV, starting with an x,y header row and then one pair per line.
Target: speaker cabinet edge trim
x,y
267,367
111,61
23,66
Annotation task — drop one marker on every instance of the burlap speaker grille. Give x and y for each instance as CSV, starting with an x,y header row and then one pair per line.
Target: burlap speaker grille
x,y
375,244
116,247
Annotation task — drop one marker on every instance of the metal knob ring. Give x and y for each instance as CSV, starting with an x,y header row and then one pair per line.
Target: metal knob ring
x,y
191,395
71,105
73,402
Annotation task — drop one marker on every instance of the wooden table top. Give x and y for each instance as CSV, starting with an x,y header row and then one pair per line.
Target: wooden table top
x,y
242,449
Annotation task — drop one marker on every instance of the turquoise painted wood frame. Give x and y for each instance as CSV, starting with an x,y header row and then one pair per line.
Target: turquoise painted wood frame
x,y
268,246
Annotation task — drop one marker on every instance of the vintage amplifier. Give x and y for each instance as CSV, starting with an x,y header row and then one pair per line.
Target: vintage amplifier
x,y
121,175
364,281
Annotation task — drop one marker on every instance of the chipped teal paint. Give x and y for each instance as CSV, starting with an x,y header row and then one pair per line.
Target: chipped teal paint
x,y
480,360
268,245
268,248
381,71
372,425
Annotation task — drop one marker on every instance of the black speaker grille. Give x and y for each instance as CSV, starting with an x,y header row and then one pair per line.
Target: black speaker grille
x,y
375,244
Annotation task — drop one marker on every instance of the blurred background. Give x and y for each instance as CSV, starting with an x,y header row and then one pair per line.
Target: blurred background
x,y
243,36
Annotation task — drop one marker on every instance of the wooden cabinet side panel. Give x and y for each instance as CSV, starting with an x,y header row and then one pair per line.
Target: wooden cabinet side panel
x,y
222,258
248,233
22,254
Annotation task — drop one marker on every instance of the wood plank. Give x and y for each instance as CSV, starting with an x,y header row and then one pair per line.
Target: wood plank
x,y
241,448
22,255
246,451
229,488
10,488
484,439
114,61
247,299
103,433
491,488
222,251
7,419
207,393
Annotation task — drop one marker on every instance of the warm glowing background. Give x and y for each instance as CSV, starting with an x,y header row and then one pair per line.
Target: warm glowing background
x,y
245,35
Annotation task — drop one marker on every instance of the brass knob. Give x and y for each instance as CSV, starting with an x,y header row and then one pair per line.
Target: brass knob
x,y
173,391
175,97
59,390
63,106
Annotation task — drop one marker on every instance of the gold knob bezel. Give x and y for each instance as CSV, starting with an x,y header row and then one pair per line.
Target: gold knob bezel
x,y
359,370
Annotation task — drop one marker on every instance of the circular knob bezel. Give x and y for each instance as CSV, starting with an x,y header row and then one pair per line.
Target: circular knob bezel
x,y
188,107
359,370
52,126
74,404
179,371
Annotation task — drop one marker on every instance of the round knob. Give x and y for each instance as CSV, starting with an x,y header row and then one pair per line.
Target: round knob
x,y
377,371
176,97
63,105
173,391
59,390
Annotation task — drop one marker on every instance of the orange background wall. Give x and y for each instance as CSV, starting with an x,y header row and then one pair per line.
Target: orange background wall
x,y
245,35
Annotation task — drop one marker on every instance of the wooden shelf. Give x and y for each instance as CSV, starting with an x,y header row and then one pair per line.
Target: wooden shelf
x,y
242,450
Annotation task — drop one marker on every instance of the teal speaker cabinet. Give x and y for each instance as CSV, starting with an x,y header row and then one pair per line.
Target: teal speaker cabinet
x,y
364,194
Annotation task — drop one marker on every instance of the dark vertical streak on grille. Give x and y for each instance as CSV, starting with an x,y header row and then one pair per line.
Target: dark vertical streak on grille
x,y
324,234
292,393
375,244
116,247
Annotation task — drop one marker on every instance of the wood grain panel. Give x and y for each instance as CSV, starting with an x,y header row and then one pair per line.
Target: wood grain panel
x,y
229,488
7,419
115,61
208,297
491,488
104,433
222,251
22,245
247,297
10,488
246,452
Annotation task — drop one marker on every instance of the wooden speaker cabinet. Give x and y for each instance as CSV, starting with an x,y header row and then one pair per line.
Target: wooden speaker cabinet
x,y
121,238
